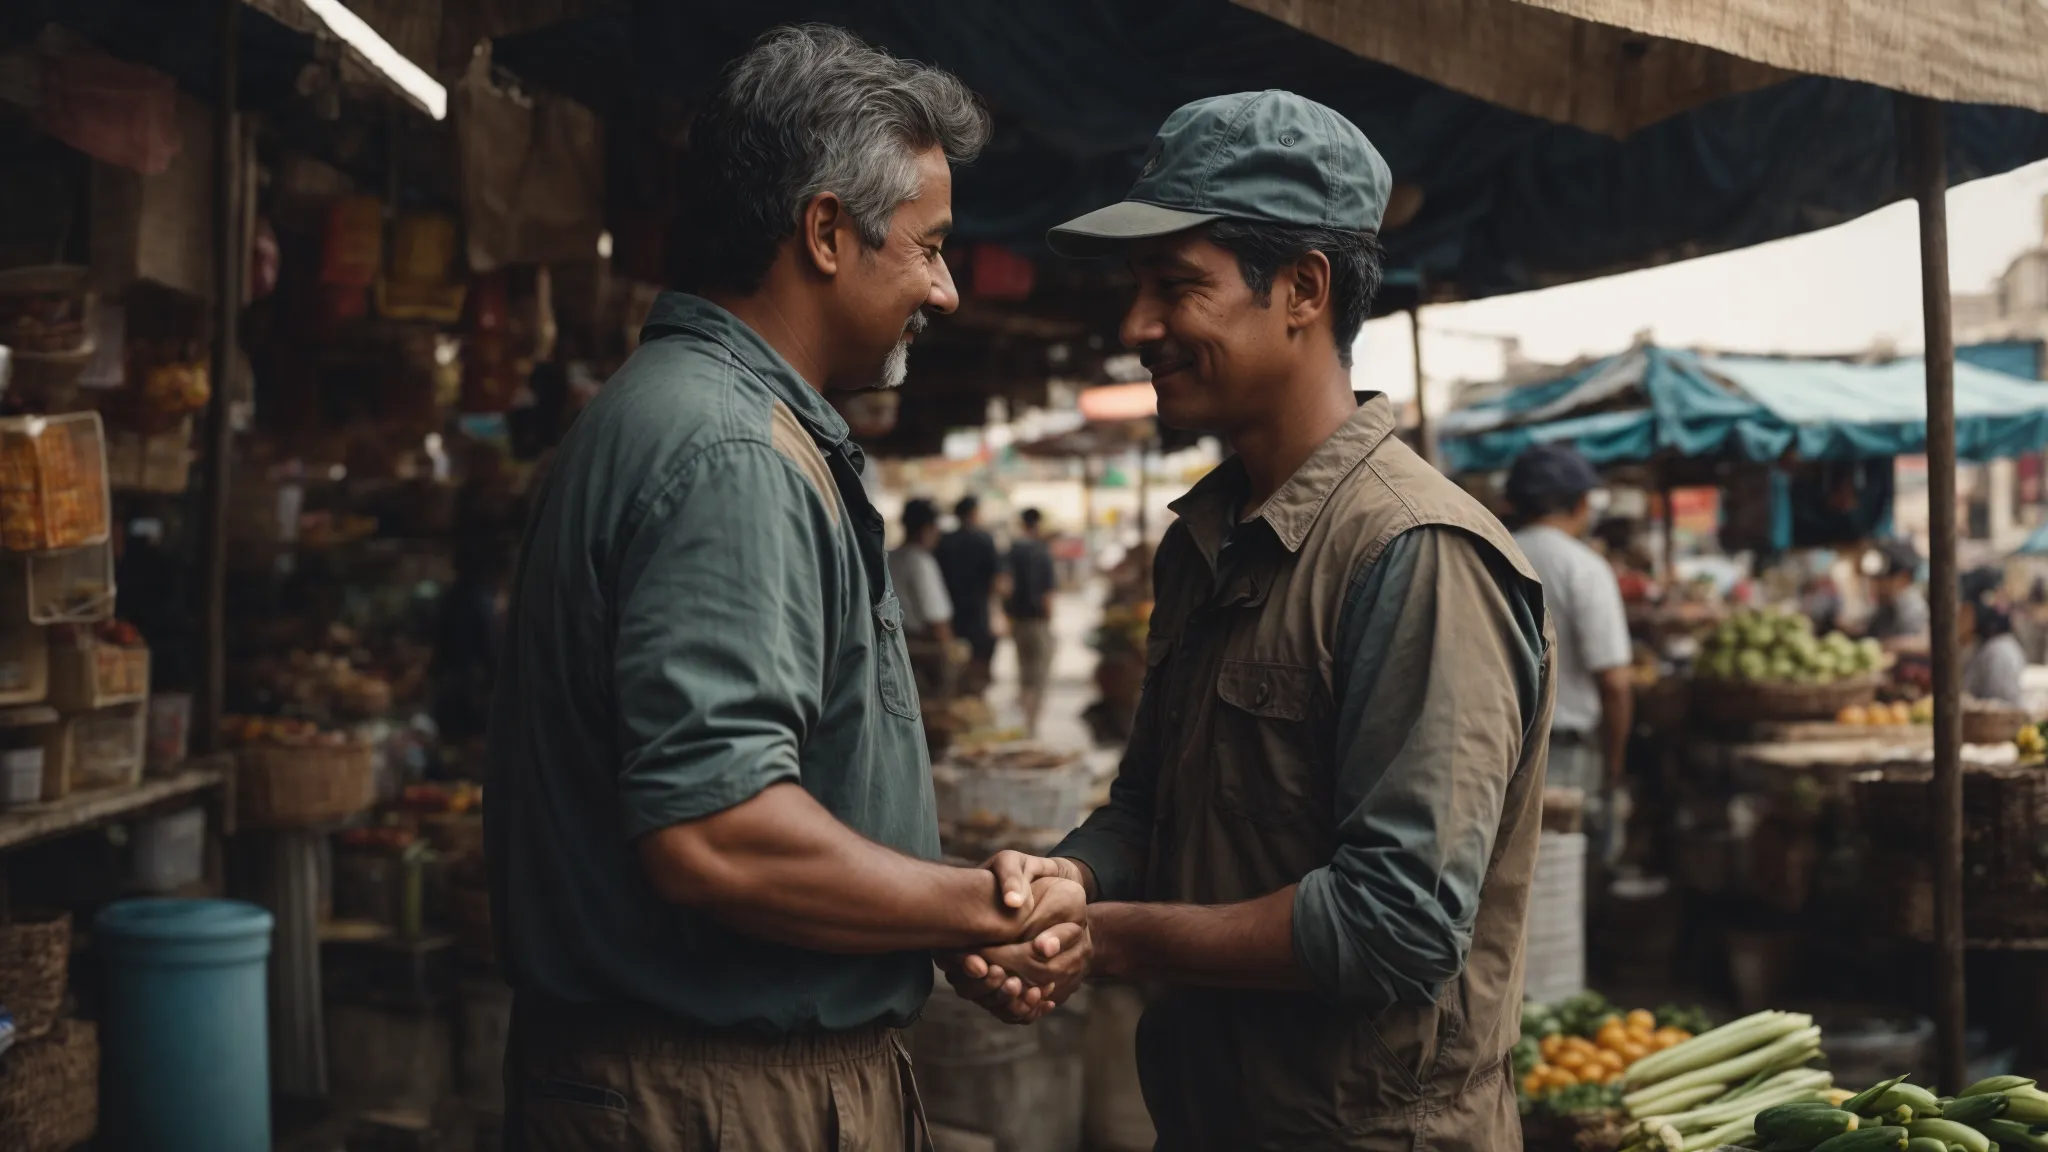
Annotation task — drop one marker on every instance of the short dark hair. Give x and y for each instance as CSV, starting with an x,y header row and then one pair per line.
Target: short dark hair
x,y
1030,517
919,515
1537,505
967,507
808,109
1357,265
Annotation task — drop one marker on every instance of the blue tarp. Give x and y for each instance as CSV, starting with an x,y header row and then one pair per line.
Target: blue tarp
x,y
1657,400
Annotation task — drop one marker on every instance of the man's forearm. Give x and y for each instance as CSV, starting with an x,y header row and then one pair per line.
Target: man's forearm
x,y
779,867
1244,945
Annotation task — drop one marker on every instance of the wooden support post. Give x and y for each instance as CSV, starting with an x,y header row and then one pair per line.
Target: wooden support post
x,y
1422,442
214,448
1921,148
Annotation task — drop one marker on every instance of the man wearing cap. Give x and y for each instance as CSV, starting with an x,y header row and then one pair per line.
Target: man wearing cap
x,y
1550,487
1320,844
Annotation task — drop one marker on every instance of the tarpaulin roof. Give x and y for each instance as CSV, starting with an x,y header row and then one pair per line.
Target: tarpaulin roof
x,y
1509,200
1652,401
1614,66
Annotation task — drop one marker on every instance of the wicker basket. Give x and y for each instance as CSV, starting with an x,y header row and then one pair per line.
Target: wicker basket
x,y
35,952
50,1090
286,787
1985,723
1735,702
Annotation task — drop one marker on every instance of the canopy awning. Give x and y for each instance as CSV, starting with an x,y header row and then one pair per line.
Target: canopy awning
x,y
1652,401
1614,66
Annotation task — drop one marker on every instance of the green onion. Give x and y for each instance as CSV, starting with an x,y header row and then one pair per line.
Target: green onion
x,y
1707,1048
1681,1100
1796,1047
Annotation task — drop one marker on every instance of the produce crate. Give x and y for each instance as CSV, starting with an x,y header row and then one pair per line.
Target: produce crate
x,y
24,666
1739,702
93,750
2005,819
87,674
69,587
284,786
53,482
49,1090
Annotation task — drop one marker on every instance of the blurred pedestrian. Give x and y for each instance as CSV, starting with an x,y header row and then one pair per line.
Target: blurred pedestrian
x,y
1901,618
967,558
1993,661
927,608
1550,488
1029,608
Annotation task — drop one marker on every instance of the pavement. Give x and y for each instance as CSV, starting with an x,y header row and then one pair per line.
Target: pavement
x,y
1075,614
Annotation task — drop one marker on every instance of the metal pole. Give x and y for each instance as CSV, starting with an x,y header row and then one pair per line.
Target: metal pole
x,y
227,298
1922,148
1421,401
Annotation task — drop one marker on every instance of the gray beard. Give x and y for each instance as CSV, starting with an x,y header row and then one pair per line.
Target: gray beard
x,y
897,367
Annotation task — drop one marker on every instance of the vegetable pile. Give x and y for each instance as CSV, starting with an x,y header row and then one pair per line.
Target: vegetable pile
x,y
1709,1090
1778,647
1573,1054
1748,1083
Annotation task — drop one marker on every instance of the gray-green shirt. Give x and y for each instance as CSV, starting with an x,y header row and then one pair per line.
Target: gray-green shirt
x,y
701,609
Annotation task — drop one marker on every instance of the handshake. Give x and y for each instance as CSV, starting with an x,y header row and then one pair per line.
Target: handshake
x,y
1021,980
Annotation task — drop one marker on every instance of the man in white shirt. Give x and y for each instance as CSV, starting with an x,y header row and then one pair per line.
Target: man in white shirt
x,y
1549,487
921,589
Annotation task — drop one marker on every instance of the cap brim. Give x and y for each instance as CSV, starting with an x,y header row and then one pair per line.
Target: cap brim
x,y
1103,231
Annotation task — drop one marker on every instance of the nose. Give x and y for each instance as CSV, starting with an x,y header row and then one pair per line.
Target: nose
x,y
944,297
1145,323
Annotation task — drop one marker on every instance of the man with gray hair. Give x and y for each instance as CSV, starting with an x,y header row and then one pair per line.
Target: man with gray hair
x,y
710,827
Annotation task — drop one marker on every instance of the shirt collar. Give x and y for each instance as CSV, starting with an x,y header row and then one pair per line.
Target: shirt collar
x,y
1209,507
680,311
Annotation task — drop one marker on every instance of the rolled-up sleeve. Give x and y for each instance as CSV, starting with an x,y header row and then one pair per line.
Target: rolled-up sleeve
x,y
719,650
1439,666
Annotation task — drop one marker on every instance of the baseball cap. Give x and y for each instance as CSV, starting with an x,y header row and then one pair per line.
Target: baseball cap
x,y
1271,157
1549,470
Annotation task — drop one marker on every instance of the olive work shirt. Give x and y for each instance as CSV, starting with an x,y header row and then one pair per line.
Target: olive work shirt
x,y
1385,793
701,609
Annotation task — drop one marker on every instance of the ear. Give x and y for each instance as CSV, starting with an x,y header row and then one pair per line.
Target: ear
x,y
1307,290
824,218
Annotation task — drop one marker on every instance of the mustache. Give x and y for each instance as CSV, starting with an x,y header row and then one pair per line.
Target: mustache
x,y
1162,352
917,323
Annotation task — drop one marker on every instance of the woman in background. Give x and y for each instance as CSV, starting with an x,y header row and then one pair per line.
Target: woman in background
x,y
1994,660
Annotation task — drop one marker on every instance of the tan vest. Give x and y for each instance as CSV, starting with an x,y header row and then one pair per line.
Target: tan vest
x,y
1241,711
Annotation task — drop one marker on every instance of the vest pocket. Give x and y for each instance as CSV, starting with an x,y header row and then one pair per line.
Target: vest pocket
x,y
892,660
1267,767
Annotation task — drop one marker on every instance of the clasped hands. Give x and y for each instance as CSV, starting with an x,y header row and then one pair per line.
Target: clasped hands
x,y
1021,980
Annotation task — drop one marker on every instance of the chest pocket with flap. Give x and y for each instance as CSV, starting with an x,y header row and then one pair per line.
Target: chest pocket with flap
x,y
1269,763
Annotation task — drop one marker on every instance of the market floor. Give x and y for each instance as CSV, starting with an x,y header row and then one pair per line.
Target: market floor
x,y
1075,614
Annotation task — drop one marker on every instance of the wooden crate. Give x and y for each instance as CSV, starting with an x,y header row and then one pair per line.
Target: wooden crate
x,y
87,674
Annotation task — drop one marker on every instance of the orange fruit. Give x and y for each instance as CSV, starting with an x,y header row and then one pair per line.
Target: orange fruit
x,y
1641,1019
1633,1051
1613,1061
1573,1059
1561,1078
1550,1046
1533,1084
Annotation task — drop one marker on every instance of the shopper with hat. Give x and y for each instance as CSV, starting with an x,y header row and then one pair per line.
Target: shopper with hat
x,y
1550,488
1320,844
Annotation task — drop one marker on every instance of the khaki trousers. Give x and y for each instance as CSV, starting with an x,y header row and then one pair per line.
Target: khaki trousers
x,y
594,1080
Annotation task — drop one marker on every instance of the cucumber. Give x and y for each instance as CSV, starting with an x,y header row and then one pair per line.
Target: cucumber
x,y
2027,1105
1973,1110
1996,1084
1804,1126
1925,1144
1920,1100
2013,1136
1888,1138
1971,1139
1865,1100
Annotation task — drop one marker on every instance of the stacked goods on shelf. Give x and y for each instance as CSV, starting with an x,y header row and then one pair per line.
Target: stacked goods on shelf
x,y
99,685
53,482
1708,1091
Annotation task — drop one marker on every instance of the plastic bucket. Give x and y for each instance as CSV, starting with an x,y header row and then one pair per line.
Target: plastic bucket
x,y
21,777
184,1029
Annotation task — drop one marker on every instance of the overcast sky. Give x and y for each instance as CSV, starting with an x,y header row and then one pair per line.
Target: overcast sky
x,y
1831,291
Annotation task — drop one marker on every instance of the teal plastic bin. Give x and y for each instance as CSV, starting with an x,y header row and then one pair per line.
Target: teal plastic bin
x,y
184,1035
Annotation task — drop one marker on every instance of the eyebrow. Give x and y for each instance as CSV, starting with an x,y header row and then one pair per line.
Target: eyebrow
x,y
939,231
